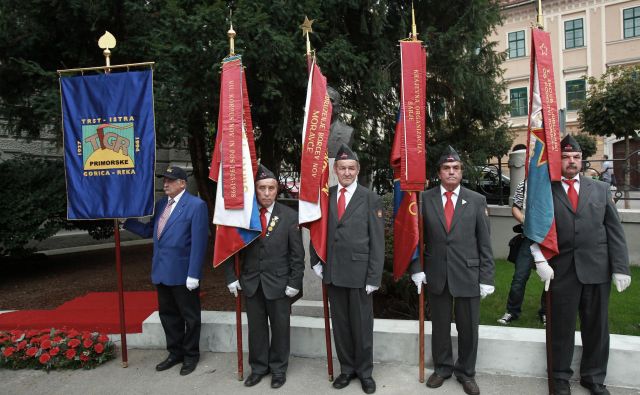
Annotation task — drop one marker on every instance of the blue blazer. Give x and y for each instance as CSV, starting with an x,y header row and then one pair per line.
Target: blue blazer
x,y
181,250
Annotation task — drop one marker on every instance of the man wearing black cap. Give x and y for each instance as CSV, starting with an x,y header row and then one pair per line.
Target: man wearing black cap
x,y
593,253
459,270
272,270
180,233
355,257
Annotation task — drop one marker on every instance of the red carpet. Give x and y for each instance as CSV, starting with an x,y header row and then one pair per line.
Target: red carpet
x,y
95,312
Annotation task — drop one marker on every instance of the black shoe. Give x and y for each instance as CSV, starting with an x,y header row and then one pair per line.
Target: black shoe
x,y
253,379
343,380
188,367
368,385
278,380
435,380
469,385
168,363
561,387
595,388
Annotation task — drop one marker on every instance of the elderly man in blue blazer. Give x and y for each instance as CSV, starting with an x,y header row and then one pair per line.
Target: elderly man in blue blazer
x,y
180,234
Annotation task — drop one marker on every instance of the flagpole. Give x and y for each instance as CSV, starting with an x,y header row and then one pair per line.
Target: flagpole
x,y
306,29
548,327
232,35
105,42
414,37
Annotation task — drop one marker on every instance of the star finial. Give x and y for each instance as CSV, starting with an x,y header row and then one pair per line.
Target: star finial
x,y
306,26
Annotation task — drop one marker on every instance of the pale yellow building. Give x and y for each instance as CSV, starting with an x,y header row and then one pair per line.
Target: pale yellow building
x,y
587,37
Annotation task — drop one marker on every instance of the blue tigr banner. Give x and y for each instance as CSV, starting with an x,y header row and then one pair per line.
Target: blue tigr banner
x,y
109,144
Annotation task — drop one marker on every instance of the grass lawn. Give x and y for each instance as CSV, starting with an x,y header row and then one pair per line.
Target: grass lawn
x,y
624,308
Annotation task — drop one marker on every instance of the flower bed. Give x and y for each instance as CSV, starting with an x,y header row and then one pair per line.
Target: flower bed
x,y
54,349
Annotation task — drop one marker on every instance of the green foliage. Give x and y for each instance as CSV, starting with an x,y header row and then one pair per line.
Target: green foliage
x,y
34,207
356,44
588,144
613,105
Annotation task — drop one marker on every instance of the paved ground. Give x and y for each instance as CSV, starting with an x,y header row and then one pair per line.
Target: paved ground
x,y
216,374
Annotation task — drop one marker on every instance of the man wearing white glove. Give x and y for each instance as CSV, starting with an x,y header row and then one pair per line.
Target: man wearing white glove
x,y
459,268
353,271
592,254
180,235
272,267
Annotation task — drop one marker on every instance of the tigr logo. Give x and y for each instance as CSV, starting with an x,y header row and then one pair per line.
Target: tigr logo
x,y
108,146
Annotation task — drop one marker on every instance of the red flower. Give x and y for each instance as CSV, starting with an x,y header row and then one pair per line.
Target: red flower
x,y
22,345
46,344
87,343
54,351
84,358
86,335
7,352
44,358
73,333
34,340
73,343
70,353
99,348
32,351
103,338
45,337
57,339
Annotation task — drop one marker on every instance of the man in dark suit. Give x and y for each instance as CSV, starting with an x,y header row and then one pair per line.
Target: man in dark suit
x,y
355,257
459,270
271,274
180,233
592,253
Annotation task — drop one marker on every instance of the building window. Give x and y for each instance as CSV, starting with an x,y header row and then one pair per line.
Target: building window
x,y
573,34
576,94
516,44
631,20
519,105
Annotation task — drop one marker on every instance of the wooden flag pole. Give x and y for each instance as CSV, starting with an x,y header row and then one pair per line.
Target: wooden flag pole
x,y
424,290
239,322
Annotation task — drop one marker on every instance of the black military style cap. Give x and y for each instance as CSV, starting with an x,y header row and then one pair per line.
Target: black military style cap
x,y
569,144
264,173
344,153
449,155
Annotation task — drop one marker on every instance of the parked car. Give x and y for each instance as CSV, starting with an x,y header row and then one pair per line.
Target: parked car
x,y
485,180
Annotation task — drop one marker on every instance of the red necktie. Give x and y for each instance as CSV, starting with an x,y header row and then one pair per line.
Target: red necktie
x,y
164,217
448,210
341,203
572,194
263,220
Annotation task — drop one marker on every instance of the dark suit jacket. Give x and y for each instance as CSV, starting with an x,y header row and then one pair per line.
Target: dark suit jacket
x,y
461,258
355,243
592,237
275,261
181,249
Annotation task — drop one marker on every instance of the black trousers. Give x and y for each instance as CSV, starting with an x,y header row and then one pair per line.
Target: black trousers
x,y
467,316
179,311
268,354
569,299
352,319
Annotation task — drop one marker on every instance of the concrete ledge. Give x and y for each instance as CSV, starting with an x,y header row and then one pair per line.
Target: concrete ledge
x,y
501,350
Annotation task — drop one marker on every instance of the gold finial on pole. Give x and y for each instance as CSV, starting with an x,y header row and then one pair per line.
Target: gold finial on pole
x,y
306,29
414,29
105,42
539,18
232,35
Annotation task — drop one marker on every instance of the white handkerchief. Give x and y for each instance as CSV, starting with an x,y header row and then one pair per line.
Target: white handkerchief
x,y
464,201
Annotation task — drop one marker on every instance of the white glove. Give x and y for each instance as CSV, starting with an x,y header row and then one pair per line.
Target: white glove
x,y
318,269
486,290
192,283
234,287
545,272
370,289
291,292
419,279
622,281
